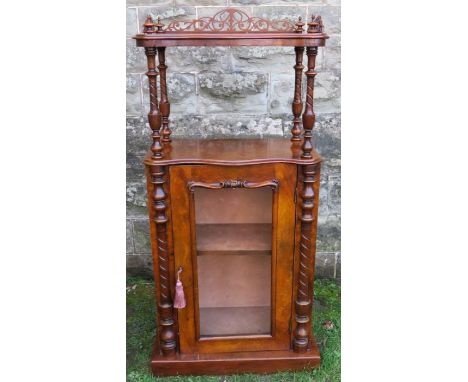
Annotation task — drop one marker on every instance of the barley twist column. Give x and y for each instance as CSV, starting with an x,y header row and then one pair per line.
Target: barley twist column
x,y
297,102
308,118
167,334
303,303
164,106
154,116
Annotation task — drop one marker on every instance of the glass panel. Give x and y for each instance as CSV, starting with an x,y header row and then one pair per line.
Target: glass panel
x,y
234,236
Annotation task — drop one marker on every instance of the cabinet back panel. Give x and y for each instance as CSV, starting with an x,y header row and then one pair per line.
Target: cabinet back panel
x,y
231,206
234,281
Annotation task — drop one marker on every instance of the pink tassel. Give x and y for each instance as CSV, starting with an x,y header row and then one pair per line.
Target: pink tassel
x,y
179,299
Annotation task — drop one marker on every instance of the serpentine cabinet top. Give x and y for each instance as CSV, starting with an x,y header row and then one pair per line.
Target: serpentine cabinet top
x,y
232,27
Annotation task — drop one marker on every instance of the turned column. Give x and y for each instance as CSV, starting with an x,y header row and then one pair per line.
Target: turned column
x,y
154,116
164,106
308,117
297,102
167,332
305,279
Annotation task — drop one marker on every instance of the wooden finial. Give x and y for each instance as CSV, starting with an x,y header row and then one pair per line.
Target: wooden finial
x,y
315,25
299,25
148,26
159,25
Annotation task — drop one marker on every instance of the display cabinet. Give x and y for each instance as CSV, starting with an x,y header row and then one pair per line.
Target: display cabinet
x,y
233,221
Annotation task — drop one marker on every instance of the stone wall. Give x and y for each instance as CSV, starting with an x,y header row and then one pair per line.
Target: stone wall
x,y
236,91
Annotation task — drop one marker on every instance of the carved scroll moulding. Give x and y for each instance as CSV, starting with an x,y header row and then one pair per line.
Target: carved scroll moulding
x,y
231,20
235,183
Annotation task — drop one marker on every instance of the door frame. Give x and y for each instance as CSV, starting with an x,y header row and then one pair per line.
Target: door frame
x,y
185,255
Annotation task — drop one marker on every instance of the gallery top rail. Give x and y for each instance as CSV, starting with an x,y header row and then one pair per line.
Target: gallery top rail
x,y
232,27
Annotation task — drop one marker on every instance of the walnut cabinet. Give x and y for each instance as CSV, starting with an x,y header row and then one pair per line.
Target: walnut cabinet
x,y
234,221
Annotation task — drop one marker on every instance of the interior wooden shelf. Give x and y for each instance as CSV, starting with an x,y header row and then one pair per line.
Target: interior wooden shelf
x,y
235,321
234,239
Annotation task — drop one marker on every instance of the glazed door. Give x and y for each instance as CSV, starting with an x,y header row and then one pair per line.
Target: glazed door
x,y
234,240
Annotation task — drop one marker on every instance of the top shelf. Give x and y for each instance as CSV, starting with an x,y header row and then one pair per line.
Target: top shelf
x,y
232,27
232,152
225,39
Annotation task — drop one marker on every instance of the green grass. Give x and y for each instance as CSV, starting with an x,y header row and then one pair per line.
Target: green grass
x,y
141,330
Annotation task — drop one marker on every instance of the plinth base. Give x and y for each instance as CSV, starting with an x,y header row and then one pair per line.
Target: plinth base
x,y
264,362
